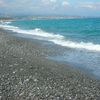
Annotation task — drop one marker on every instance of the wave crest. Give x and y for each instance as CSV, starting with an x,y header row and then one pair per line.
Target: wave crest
x,y
55,38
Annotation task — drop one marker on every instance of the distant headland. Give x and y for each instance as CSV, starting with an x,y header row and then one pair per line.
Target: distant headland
x,y
4,18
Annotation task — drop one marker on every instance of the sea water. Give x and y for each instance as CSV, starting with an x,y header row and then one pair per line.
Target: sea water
x,y
80,35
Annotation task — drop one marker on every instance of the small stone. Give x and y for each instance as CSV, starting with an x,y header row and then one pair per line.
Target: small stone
x,y
15,64
20,82
61,87
35,80
21,94
79,85
26,80
38,88
85,87
30,94
14,72
21,58
70,98
58,98
21,69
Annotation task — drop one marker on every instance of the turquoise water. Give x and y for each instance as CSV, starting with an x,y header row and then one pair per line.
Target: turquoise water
x,y
81,36
75,29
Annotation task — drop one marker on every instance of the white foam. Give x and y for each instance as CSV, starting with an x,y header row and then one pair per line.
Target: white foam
x,y
55,38
81,45
5,22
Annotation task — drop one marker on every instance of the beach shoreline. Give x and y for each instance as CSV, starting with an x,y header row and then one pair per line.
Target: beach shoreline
x,y
26,74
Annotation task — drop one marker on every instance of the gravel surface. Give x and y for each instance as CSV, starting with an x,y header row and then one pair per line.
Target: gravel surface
x,y
26,74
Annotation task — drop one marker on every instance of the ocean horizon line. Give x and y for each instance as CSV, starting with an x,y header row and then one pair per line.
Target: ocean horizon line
x,y
8,17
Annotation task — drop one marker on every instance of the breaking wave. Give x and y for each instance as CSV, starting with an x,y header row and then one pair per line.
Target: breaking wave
x,y
55,38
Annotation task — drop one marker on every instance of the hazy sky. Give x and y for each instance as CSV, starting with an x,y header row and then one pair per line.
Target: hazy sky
x,y
51,7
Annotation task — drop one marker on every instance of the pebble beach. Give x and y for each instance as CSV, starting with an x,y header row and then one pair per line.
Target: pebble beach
x,y
27,74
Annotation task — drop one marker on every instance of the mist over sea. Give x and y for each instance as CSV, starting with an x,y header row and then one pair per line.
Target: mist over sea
x,y
80,39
